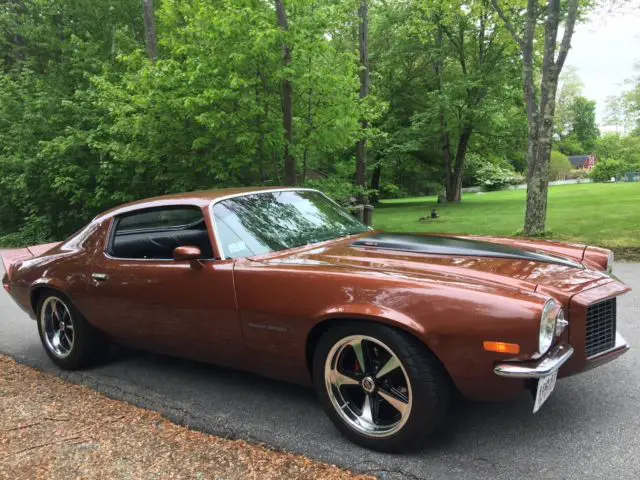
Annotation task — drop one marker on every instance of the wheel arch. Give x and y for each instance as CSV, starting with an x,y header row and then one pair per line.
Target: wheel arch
x,y
314,335
36,293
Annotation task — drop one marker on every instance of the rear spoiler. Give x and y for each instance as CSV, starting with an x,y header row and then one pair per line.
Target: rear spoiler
x,y
9,259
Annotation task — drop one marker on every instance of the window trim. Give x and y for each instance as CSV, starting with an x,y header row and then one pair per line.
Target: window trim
x,y
116,220
257,192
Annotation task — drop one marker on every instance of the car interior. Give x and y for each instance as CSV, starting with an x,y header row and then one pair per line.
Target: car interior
x,y
159,241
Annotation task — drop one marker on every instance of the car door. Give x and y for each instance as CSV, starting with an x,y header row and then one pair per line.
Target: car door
x,y
143,297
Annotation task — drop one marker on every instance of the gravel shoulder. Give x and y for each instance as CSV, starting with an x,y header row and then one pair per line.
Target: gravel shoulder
x,y
53,429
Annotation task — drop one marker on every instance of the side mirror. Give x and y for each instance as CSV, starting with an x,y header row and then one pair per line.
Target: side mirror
x,y
191,254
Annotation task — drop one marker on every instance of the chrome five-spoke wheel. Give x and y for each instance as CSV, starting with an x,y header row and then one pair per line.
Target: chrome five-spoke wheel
x,y
382,387
69,340
368,386
57,327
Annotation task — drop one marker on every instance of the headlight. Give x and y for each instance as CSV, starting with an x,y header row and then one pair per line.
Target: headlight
x,y
561,323
610,262
547,327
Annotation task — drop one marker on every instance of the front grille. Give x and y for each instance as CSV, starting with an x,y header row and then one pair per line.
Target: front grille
x,y
601,327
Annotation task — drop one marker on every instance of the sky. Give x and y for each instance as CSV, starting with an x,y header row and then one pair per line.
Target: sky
x,y
604,50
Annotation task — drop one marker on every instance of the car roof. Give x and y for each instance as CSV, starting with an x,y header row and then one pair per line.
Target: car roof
x,y
200,198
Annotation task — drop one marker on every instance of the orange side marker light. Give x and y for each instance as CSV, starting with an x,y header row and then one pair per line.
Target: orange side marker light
x,y
501,347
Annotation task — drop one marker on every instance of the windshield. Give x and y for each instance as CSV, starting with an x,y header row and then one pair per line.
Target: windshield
x,y
260,223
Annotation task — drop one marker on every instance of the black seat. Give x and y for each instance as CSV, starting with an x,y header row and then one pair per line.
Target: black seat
x,y
160,244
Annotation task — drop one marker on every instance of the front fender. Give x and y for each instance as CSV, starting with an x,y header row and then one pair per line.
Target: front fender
x,y
453,320
377,313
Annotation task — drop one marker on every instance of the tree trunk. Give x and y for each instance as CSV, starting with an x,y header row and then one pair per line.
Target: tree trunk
x,y
447,159
287,101
260,126
361,146
150,30
447,156
375,183
305,160
454,182
540,117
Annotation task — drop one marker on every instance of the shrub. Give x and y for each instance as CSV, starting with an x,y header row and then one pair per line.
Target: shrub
x,y
605,169
491,177
577,174
560,166
490,173
391,190
517,179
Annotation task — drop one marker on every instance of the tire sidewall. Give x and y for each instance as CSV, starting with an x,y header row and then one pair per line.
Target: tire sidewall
x,y
424,415
79,351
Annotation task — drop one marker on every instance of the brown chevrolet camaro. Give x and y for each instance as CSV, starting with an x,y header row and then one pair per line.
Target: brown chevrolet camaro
x,y
282,282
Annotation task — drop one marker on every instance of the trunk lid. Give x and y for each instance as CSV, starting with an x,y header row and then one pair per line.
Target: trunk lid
x,y
11,258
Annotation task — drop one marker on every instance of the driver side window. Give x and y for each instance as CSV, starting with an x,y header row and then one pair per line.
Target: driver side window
x,y
155,233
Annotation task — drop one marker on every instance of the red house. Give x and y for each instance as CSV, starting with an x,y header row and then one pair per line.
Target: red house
x,y
583,162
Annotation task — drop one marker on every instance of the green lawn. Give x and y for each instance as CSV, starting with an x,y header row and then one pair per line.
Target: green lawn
x,y
597,214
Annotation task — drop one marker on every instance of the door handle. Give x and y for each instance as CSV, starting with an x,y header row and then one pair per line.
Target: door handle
x,y
100,277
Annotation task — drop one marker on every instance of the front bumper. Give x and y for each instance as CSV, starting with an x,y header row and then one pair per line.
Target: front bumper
x,y
551,362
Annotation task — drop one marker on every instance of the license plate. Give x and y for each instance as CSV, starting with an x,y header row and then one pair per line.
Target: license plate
x,y
545,389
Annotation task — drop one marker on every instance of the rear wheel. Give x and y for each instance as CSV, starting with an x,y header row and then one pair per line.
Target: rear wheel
x,y
381,387
68,339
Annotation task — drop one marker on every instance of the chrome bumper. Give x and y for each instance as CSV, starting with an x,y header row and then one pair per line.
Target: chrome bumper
x,y
536,369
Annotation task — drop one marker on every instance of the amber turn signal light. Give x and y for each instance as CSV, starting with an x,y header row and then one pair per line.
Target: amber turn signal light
x,y
501,347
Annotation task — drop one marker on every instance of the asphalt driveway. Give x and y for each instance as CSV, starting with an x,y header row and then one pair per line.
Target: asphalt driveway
x,y
590,427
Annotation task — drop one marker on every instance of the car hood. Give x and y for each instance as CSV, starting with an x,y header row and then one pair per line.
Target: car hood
x,y
452,258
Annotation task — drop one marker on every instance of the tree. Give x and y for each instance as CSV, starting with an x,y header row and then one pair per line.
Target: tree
x,y
471,61
361,146
570,86
540,101
580,131
615,112
618,147
287,98
623,110
583,123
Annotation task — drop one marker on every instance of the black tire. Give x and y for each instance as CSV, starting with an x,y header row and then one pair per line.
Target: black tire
x,y
88,346
431,387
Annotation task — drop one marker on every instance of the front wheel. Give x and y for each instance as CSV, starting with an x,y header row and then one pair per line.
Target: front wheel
x,y
381,387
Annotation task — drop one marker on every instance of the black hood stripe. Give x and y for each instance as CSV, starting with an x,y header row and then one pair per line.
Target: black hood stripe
x,y
455,247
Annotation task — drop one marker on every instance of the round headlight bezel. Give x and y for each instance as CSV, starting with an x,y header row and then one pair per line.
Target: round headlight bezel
x,y
547,327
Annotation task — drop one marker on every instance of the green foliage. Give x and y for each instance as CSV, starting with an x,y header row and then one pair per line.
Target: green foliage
x,y
580,133
577,174
87,121
560,166
479,88
623,110
494,177
625,148
490,173
606,169
583,126
339,189
390,190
